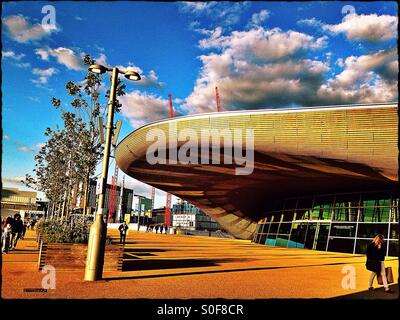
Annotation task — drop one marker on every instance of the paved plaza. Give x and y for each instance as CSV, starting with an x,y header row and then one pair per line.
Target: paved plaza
x,y
177,266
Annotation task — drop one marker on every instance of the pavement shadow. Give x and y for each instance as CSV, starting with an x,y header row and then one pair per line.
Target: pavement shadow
x,y
200,263
160,264
378,293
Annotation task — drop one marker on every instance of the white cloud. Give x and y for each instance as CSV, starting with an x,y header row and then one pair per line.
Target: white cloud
x,y
223,13
12,55
148,81
23,65
25,149
366,27
141,108
43,53
17,180
21,30
262,68
258,18
366,78
44,74
265,44
40,145
64,56
312,22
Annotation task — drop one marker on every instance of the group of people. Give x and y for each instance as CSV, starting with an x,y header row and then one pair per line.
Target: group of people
x,y
123,230
13,229
158,227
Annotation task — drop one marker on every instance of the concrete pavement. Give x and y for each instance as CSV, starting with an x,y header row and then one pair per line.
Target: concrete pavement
x,y
176,266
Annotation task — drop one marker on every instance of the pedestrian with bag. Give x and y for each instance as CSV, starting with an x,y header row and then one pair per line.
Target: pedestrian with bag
x,y
375,262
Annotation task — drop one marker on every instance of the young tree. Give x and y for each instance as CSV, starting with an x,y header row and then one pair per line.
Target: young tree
x,y
64,162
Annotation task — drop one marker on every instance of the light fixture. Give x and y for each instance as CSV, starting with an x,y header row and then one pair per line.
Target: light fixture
x,y
132,75
97,68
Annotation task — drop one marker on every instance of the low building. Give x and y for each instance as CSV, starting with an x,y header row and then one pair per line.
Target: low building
x,y
142,209
120,208
15,201
189,217
158,216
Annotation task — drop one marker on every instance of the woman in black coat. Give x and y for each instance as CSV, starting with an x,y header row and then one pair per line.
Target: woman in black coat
x,y
375,262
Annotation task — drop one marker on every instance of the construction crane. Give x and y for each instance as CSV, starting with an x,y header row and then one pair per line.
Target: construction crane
x,y
113,190
217,99
121,194
167,217
153,197
114,179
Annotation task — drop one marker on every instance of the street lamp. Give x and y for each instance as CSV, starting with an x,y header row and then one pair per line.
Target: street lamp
x,y
98,230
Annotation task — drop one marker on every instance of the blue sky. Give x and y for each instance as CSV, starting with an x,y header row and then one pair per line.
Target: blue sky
x,y
261,55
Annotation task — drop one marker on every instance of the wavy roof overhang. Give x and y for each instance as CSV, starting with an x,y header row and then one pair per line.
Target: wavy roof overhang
x,y
297,152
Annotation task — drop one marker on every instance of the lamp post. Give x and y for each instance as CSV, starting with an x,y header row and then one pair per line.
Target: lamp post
x,y
98,230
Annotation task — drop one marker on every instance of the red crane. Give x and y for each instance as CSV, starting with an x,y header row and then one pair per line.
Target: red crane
x,y
217,99
153,197
113,190
167,217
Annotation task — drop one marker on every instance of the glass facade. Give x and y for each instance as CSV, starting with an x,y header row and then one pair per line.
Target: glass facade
x,y
338,222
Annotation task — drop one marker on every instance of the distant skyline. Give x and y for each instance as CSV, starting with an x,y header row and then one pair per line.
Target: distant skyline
x,y
260,54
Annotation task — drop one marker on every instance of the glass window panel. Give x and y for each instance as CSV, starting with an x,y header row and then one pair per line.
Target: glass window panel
x,y
341,245
276,217
393,248
271,240
362,244
297,237
395,214
274,227
343,230
302,215
370,230
262,239
345,214
282,241
285,228
394,231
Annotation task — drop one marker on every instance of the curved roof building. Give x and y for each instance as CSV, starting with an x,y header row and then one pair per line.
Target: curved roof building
x,y
298,152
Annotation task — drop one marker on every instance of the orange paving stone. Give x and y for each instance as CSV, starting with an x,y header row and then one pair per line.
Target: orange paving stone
x,y
177,266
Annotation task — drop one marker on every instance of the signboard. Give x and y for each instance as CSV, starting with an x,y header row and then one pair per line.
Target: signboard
x,y
99,186
127,218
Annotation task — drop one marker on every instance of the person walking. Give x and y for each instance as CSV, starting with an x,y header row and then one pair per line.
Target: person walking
x,y
17,230
33,222
375,262
5,238
161,229
123,229
166,229
156,227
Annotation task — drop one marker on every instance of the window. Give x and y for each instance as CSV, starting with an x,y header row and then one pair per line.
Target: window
x,y
393,248
343,230
274,227
285,228
370,230
341,245
394,231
